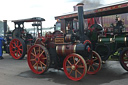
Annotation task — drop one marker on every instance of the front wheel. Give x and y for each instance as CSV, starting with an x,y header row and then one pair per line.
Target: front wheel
x,y
17,48
38,59
74,67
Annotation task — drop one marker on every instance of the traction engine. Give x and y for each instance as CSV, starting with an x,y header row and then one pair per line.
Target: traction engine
x,y
111,44
21,40
71,52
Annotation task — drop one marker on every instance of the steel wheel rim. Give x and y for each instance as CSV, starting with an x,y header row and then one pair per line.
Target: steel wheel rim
x,y
74,67
124,60
37,59
16,49
94,64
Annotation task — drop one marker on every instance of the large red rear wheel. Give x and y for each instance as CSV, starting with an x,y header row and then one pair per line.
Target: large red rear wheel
x,y
94,64
74,67
38,59
17,48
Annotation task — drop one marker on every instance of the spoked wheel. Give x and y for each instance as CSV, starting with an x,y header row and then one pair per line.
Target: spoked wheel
x,y
124,59
94,64
74,67
38,59
17,48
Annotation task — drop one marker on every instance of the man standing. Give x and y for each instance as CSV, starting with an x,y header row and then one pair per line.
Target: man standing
x,y
1,51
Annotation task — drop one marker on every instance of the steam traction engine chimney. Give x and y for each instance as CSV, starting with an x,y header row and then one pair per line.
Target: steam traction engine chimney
x,y
83,47
81,22
5,26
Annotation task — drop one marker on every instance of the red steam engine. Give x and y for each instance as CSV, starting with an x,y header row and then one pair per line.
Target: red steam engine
x,y
71,51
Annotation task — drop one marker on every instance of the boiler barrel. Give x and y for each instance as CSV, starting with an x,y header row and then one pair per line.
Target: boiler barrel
x,y
121,39
117,39
105,40
65,49
68,49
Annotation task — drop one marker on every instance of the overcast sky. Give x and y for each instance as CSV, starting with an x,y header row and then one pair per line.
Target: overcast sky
x,y
48,9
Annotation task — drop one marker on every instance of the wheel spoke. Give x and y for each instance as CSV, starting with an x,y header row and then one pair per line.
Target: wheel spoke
x,y
69,62
44,58
74,60
70,72
33,54
75,74
97,64
20,49
12,46
95,59
41,53
14,51
14,43
43,63
80,66
68,66
41,67
89,68
93,68
16,54
33,60
77,62
19,53
79,72
34,51
34,64
20,45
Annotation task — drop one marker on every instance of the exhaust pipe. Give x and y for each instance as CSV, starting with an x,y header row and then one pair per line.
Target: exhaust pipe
x,y
81,22
83,38
5,26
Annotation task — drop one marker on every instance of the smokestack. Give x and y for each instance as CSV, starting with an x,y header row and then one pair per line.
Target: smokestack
x,y
81,22
5,26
